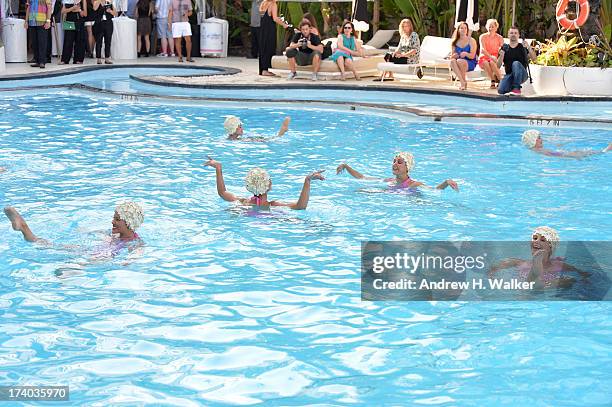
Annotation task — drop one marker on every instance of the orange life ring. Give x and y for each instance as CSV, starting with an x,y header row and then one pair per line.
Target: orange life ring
x,y
583,13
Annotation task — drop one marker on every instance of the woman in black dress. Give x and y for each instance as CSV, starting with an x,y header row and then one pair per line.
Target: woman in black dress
x,y
267,35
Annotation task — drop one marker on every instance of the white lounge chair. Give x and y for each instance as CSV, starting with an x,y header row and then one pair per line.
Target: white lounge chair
x,y
381,39
434,53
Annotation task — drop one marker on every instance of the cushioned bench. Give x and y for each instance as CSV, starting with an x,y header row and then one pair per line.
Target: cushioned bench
x,y
365,67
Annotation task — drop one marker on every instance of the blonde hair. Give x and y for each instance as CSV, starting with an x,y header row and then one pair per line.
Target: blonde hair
x,y
131,213
401,28
530,137
257,181
408,159
491,21
550,234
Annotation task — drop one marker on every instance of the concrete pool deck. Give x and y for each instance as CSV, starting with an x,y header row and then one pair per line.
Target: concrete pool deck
x,y
248,75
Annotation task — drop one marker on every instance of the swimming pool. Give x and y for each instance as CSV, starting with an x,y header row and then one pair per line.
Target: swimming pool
x,y
145,80
223,307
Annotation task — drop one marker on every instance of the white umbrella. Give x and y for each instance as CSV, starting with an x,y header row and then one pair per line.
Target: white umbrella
x,y
467,10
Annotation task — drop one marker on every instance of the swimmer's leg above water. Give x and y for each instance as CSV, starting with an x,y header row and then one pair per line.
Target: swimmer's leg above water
x,y
19,224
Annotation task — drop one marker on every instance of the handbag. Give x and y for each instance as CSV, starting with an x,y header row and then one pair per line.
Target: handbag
x,y
69,26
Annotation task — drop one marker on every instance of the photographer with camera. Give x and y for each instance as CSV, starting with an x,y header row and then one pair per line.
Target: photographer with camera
x,y
103,28
515,57
305,49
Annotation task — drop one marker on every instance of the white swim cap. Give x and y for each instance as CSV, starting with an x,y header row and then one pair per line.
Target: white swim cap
x,y
550,234
231,124
257,181
530,137
131,213
408,159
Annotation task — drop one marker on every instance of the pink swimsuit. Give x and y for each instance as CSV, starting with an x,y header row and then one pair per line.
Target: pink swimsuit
x,y
548,276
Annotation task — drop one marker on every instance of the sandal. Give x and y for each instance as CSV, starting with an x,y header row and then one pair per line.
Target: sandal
x,y
190,60
108,62
180,59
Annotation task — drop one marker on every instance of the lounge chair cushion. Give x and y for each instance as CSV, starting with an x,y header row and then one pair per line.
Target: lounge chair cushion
x,y
365,66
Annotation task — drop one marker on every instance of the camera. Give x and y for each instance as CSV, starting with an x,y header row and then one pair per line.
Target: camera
x,y
303,43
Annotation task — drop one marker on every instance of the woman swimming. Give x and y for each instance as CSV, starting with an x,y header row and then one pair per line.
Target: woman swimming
x,y
258,183
128,217
533,140
543,269
234,129
403,163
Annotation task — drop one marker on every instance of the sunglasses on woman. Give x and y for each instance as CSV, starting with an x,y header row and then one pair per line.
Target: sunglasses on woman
x,y
348,27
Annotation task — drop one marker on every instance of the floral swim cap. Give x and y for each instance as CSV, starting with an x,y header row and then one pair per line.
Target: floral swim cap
x,y
530,137
131,213
408,159
550,234
231,124
257,181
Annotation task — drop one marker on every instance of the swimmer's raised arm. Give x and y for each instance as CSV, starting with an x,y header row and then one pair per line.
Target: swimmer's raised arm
x,y
302,202
221,190
354,173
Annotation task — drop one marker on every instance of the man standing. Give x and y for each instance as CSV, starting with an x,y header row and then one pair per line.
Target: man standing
x,y
255,23
38,20
515,57
162,8
178,20
305,49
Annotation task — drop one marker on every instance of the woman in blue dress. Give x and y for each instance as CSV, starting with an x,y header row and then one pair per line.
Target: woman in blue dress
x,y
463,53
348,47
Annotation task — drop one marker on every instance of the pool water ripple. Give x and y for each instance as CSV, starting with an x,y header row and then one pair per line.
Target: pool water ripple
x,y
226,307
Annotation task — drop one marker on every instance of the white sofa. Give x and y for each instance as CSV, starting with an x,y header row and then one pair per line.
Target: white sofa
x,y
365,66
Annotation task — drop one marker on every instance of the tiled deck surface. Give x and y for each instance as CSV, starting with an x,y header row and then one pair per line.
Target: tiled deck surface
x,y
249,70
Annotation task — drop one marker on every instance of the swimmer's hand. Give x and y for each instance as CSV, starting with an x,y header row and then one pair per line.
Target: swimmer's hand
x,y
449,183
212,163
316,175
344,166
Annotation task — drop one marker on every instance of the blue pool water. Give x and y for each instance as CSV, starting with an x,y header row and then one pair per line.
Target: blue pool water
x,y
222,307
122,80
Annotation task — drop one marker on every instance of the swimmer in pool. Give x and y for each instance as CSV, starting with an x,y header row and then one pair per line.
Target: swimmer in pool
x,y
403,163
533,140
128,217
233,128
258,183
543,269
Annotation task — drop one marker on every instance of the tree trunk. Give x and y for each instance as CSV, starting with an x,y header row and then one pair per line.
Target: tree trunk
x,y
375,16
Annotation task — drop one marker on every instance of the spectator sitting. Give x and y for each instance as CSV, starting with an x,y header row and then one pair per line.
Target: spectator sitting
x,y
408,49
348,46
490,43
305,49
515,57
463,53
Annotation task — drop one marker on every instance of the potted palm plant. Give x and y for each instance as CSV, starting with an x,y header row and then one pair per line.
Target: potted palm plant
x,y
572,67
